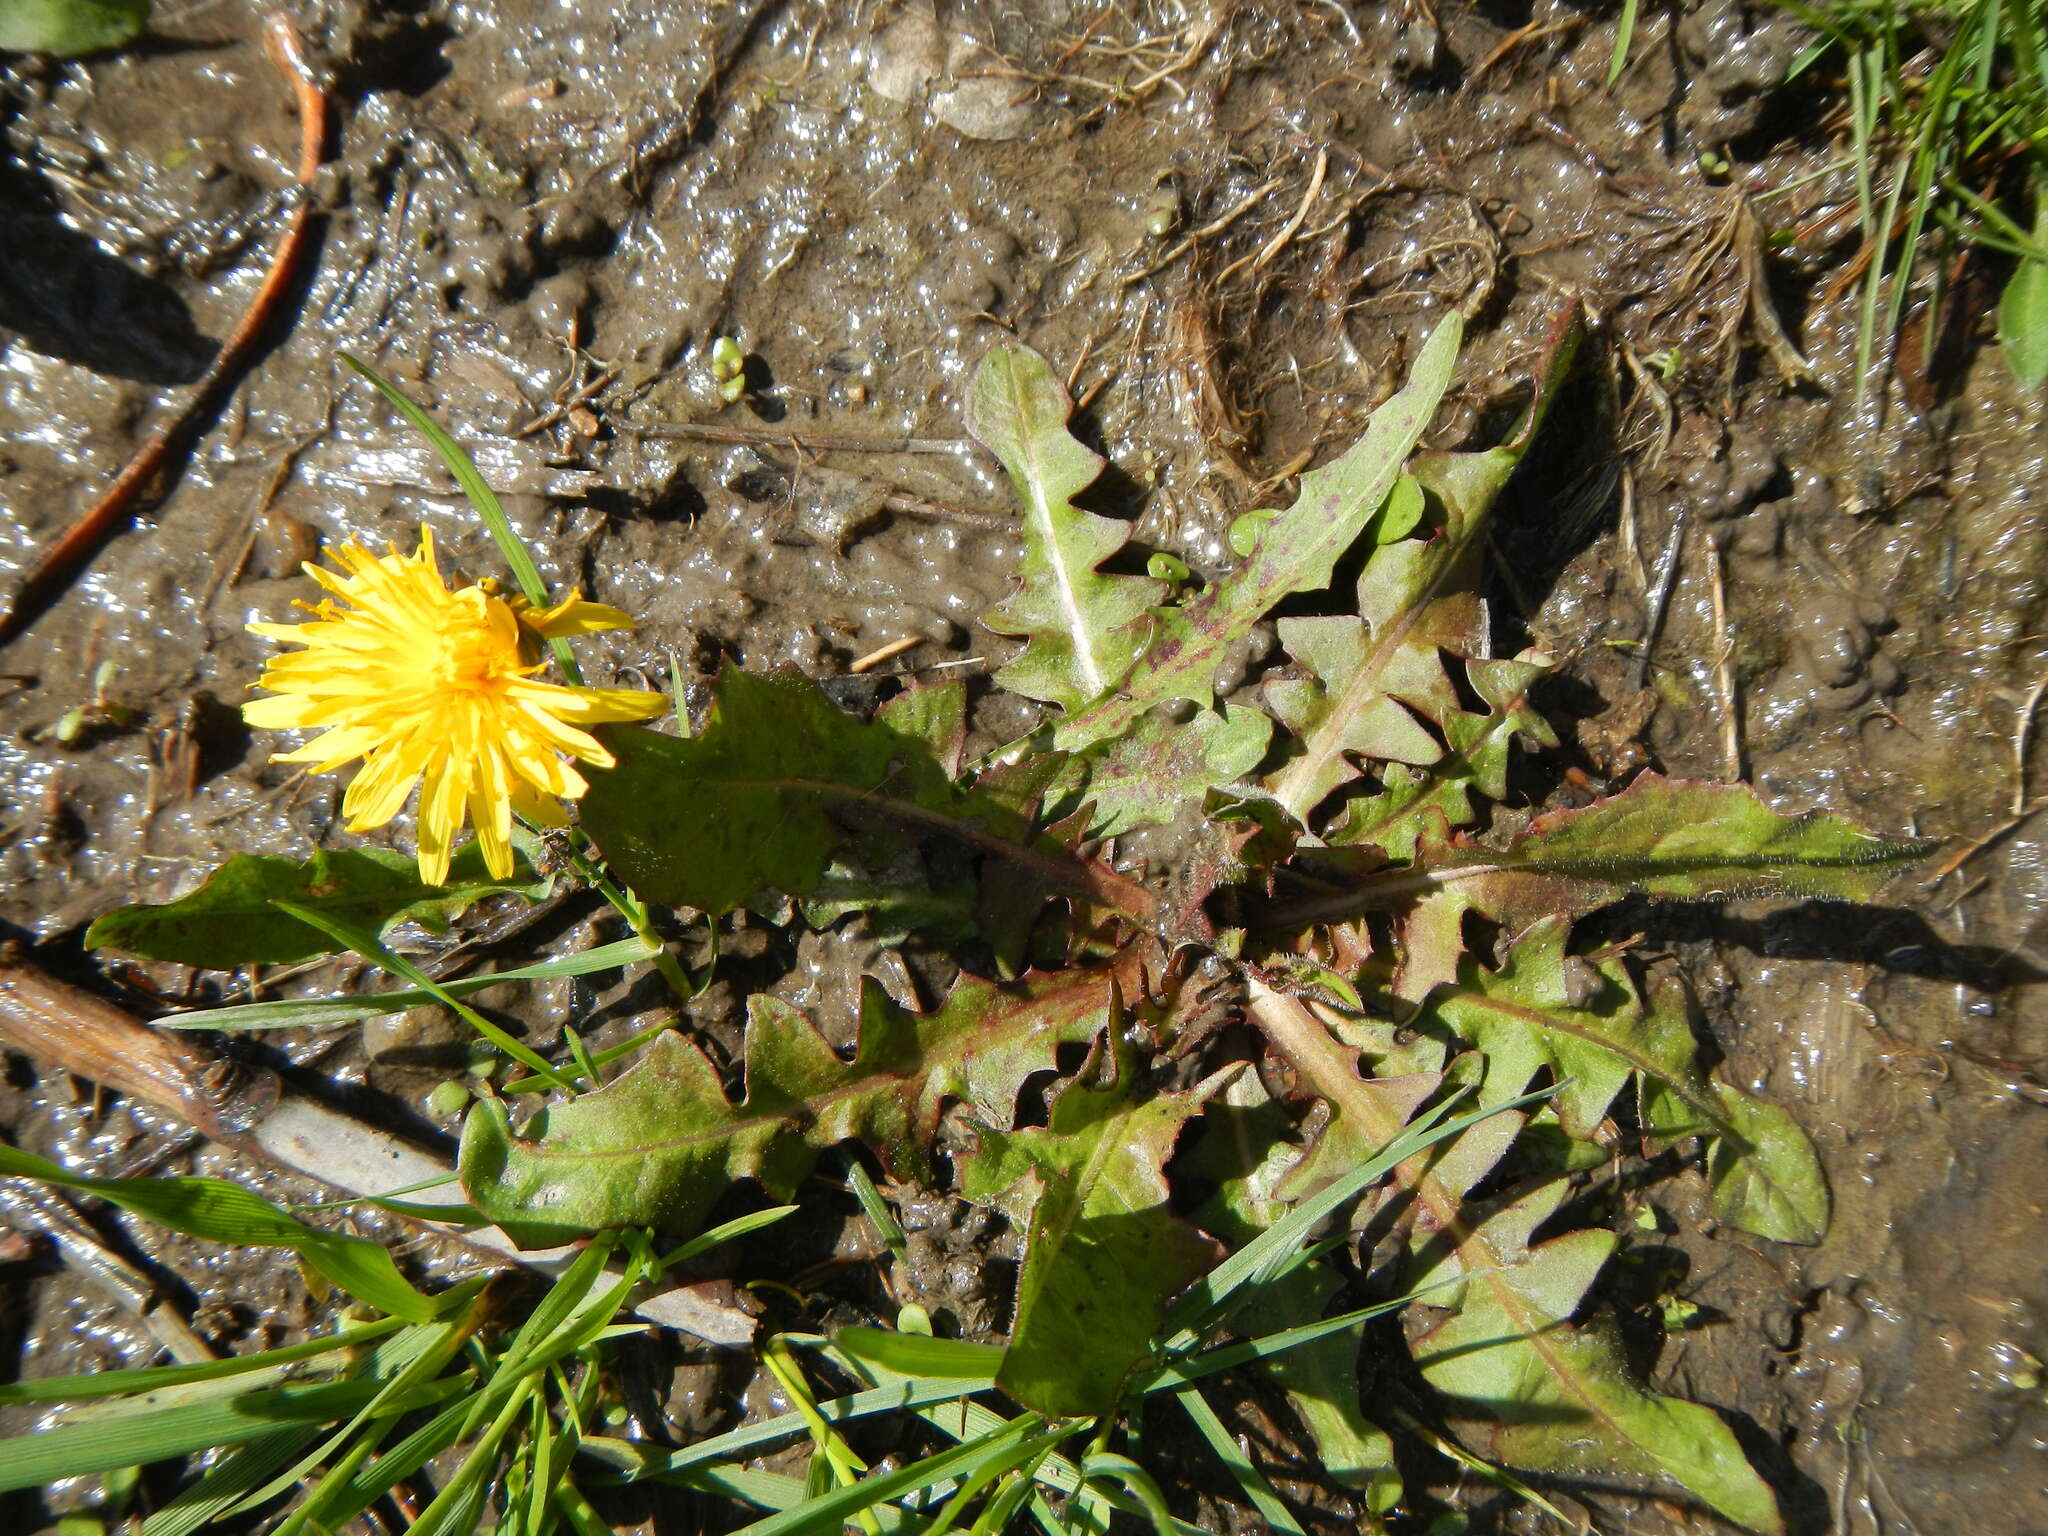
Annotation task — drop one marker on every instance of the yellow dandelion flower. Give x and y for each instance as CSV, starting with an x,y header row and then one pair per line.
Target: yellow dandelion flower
x,y
436,687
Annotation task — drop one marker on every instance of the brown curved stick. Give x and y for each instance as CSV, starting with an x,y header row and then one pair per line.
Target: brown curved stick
x,y
53,1021
83,539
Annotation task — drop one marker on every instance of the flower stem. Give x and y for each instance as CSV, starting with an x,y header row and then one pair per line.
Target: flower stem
x,y
634,911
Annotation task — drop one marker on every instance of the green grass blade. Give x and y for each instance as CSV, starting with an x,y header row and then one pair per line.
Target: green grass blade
x,y
1108,1465
373,949
78,1389
725,1232
1250,1479
559,1305
401,1367
1280,1247
313,1012
227,1483
636,1461
1624,37
76,1450
824,1516
914,1354
370,1483
221,1212
518,559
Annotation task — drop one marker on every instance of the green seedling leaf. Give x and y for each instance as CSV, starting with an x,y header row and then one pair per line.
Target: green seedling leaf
x,y
1677,837
68,28
778,780
230,920
1082,629
1151,775
919,1354
663,1143
1536,1392
1295,551
221,1212
1103,1252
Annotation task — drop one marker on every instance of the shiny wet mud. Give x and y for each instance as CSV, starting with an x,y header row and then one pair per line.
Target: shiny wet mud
x,y
1232,225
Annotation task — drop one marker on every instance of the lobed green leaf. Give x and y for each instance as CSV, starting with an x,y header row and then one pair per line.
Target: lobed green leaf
x,y
1295,551
1103,1251
661,1144
1083,629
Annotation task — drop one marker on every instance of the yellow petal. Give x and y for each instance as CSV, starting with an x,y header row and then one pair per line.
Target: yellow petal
x,y
492,818
537,810
593,706
571,617
284,712
331,749
441,806
377,793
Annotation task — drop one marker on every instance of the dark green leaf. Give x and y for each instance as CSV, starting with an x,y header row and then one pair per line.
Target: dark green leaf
x,y
229,920
748,803
778,780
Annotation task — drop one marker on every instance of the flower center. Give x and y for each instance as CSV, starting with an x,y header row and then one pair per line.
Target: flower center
x,y
473,655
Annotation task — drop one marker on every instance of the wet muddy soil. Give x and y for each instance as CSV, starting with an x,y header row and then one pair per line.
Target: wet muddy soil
x,y
1230,224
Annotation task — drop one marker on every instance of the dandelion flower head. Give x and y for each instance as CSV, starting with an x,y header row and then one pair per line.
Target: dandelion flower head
x,y
439,688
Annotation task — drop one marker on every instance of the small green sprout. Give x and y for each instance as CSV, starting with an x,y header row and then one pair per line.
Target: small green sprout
x,y
728,369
